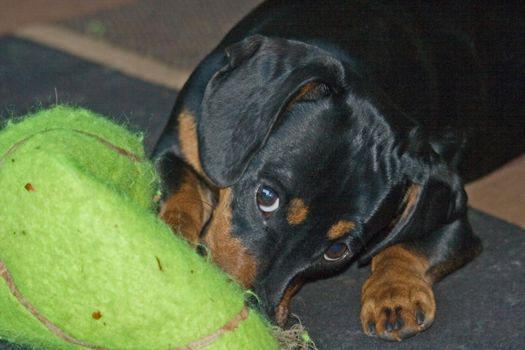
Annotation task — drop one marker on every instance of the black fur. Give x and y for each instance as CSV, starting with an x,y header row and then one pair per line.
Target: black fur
x,y
425,94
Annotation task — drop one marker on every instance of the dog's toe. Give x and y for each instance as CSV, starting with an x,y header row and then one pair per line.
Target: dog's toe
x,y
396,311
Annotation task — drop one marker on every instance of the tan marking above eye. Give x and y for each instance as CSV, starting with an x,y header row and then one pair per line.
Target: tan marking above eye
x,y
340,228
304,90
297,211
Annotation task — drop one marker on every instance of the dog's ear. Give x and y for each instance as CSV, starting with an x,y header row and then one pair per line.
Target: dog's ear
x,y
427,205
245,98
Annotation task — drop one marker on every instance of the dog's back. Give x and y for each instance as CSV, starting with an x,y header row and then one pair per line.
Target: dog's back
x,y
455,67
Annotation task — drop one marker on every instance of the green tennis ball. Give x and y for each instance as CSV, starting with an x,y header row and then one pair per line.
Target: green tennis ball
x,y
85,262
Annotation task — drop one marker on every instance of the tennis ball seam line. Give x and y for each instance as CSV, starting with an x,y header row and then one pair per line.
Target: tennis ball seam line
x,y
123,152
11,285
200,343
230,326
119,150
13,148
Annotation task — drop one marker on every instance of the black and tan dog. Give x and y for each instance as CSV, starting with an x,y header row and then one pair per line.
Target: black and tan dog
x,y
319,133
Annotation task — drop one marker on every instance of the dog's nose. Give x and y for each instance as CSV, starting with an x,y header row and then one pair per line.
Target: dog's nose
x,y
265,300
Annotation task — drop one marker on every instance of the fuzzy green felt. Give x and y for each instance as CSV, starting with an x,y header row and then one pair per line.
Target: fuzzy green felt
x,y
85,262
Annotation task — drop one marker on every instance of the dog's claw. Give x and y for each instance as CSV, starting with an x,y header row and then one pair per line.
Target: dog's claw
x,y
399,319
389,327
371,328
420,316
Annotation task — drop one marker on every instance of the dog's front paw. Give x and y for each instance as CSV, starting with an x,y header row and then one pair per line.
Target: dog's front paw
x,y
397,302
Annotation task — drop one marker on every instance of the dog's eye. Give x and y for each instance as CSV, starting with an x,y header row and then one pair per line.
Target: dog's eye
x,y
336,251
267,199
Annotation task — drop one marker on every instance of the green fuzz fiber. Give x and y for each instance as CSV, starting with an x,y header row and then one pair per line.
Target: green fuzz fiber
x,y
84,261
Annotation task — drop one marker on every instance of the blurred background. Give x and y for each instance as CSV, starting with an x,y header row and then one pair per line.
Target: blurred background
x,y
175,32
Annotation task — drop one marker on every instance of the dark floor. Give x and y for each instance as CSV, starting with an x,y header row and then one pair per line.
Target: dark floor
x,y
481,306
32,77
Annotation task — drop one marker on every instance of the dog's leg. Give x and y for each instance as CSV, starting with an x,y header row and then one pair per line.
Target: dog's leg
x,y
397,300
189,202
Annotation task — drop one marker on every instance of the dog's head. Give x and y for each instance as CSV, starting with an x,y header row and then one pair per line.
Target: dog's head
x,y
312,172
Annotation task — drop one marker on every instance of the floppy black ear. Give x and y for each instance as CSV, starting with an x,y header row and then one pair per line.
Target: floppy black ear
x,y
427,206
245,98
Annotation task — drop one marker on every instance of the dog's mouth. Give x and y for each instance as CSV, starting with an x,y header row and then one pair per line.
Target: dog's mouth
x,y
274,302
282,311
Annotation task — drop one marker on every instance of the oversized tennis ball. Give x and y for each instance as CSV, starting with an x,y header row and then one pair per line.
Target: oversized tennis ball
x,y
84,261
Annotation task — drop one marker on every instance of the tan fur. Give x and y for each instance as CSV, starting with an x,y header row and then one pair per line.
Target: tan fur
x,y
398,281
340,228
306,88
228,251
283,309
410,200
188,209
297,212
188,140
408,204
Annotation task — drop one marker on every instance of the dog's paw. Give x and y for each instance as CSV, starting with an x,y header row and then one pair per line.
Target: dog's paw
x,y
396,304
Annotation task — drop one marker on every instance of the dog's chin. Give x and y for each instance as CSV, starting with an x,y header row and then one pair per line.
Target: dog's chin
x,y
282,311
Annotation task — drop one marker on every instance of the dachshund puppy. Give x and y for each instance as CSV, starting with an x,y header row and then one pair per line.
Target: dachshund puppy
x,y
321,133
